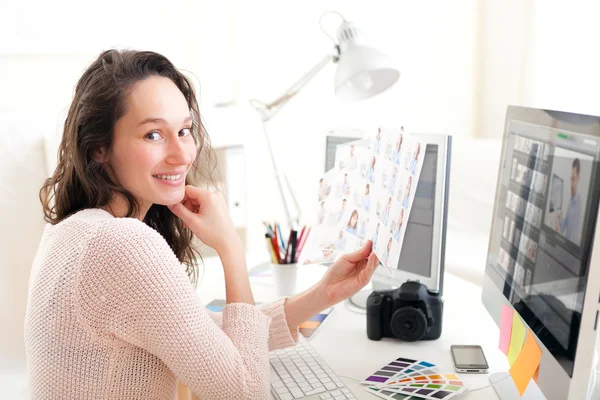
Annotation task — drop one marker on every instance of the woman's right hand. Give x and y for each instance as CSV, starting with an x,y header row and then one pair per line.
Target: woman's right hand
x,y
206,214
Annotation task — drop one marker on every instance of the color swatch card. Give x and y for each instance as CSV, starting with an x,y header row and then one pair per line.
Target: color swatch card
x,y
407,379
390,372
306,329
367,195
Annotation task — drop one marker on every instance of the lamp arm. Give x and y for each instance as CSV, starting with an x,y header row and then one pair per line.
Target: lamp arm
x,y
267,111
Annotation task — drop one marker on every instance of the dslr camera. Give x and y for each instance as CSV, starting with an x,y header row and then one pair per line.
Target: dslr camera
x,y
410,313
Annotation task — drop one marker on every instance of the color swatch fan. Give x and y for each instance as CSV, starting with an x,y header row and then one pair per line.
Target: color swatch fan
x,y
407,379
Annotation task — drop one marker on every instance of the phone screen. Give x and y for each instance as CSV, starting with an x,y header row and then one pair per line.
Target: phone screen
x,y
469,356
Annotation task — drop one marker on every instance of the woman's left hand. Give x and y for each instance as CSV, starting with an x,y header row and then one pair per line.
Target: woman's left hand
x,y
348,274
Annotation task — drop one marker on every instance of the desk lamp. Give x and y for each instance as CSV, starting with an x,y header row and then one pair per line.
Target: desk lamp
x,y
362,72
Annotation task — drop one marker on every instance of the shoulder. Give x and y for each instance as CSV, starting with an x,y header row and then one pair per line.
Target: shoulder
x,y
127,241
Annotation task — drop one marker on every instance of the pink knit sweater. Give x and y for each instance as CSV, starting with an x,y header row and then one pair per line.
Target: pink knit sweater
x,y
111,314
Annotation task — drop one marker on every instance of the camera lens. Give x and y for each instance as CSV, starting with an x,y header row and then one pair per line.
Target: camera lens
x,y
409,324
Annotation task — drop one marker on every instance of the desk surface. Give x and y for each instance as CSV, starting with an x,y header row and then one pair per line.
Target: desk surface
x,y
355,356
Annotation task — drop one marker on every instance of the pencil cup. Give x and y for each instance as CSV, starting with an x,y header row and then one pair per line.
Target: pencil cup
x,y
284,279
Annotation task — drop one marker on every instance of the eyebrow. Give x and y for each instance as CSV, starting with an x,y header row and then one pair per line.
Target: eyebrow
x,y
148,120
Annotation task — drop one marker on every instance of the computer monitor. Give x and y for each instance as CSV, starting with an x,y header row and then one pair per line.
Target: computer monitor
x,y
541,258
423,249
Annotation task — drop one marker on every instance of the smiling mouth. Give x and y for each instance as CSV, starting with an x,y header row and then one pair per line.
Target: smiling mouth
x,y
168,177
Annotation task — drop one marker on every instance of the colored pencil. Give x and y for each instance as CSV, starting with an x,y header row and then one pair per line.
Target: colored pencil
x,y
271,249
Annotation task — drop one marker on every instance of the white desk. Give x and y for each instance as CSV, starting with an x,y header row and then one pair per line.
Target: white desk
x,y
342,340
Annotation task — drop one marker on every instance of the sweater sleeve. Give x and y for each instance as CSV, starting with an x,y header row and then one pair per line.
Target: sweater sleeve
x,y
130,285
280,335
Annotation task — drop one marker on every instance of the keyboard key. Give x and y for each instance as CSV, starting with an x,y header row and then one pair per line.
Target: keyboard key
x,y
282,390
330,386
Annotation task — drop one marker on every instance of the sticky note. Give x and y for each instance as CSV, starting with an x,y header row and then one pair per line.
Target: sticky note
x,y
506,321
527,363
517,336
309,325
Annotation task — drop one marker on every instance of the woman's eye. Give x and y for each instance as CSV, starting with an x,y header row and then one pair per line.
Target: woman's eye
x,y
154,133
188,131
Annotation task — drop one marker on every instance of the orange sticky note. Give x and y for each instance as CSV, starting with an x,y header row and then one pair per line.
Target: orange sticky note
x,y
506,321
309,324
517,336
527,363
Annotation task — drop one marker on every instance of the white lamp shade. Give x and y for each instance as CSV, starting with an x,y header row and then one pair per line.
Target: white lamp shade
x,y
362,71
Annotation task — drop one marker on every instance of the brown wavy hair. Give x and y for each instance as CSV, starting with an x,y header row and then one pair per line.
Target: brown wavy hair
x,y
81,182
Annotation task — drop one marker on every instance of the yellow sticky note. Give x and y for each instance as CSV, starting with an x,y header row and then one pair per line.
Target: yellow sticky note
x,y
527,363
517,337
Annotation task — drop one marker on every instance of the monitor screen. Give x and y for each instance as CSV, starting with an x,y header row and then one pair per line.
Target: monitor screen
x,y
417,247
542,229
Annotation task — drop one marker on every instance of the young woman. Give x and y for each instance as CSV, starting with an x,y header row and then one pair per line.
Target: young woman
x,y
112,311
352,226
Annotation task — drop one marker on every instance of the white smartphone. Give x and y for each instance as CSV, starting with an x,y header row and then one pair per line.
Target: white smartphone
x,y
469,359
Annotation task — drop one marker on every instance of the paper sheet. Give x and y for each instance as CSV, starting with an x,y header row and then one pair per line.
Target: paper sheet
x,y
517,337
506,321
367,195
526,364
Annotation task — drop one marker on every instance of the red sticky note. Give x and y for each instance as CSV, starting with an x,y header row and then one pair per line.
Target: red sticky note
x,y
527,363
506,320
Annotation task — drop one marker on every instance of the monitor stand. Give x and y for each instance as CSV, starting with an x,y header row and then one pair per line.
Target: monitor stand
x,y
506,390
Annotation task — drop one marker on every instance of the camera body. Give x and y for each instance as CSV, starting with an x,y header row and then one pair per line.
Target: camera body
x,y
410,313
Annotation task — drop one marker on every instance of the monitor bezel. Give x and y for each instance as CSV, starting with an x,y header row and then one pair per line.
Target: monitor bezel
x,y
552,379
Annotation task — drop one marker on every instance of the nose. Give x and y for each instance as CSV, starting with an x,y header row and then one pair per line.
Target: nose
x,y
178,151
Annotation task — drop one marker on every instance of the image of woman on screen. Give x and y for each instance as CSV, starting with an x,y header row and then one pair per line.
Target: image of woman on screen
x,y
352,226
378,141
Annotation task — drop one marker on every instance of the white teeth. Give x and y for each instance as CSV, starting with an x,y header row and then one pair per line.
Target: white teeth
x,y
168,177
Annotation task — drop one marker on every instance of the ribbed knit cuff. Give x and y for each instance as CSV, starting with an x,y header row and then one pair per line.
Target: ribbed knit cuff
x,y
244,312
280,335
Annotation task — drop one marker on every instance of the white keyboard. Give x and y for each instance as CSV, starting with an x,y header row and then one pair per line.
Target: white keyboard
x,y
300,373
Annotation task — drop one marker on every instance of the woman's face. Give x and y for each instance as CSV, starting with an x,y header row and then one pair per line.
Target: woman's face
x,y
353,220
372,162
366,190
153,140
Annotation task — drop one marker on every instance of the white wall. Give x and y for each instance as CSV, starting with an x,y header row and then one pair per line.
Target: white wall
x,y
433,46
537,53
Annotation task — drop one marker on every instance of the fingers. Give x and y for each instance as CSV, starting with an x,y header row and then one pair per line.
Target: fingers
x,y
182,212
361,253
194,193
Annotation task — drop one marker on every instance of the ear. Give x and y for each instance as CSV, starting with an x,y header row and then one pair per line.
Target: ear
x,y
99,155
